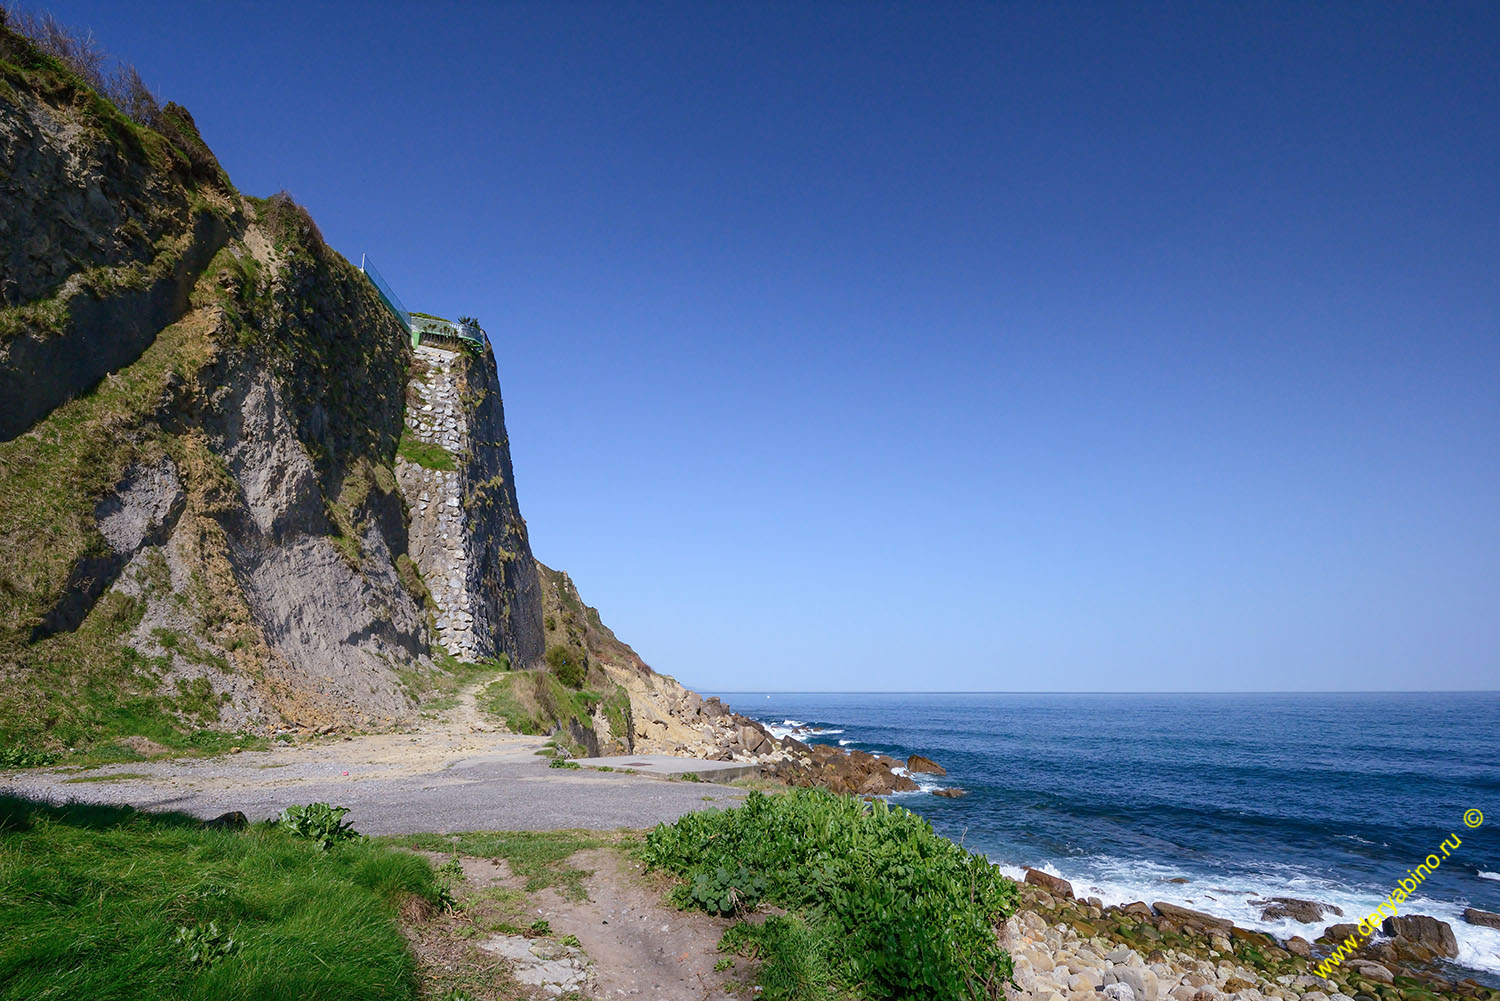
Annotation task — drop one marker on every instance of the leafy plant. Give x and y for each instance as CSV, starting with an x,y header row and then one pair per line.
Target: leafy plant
x,y
205,945
888,907
563,763
572,941
541,926
318,822
21,757
451,870
722,890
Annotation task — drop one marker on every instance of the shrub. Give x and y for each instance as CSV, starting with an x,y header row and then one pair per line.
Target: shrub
x,y
900,911
568,664
318,822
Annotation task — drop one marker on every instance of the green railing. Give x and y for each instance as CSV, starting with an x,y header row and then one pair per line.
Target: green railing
x,y
437,328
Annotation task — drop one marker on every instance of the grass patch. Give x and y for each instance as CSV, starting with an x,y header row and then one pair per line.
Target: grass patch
x,y
539,856
880,906
112,777
538,702
93,901
438,689
425,454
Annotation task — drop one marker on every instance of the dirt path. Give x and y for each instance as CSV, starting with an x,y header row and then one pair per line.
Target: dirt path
x,y
457,772
640,945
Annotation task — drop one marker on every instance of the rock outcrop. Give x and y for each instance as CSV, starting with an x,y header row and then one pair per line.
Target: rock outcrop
x,y
467,536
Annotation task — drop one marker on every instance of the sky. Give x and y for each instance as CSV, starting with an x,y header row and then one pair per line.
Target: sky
x,y
943,346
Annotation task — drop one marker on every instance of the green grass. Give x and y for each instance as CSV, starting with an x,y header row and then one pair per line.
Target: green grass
x,y
438,689
425,454
537,702
111,777
538,856
92,899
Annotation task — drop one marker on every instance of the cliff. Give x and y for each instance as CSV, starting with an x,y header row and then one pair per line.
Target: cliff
x,y
200,524
237,496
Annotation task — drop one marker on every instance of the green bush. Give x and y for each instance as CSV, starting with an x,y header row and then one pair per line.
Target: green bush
x,y
902,913
568,664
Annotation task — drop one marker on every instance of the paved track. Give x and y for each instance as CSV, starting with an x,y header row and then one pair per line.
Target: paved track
x,y
454,775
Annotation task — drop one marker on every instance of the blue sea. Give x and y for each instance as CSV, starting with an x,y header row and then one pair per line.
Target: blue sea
x,y
1329,797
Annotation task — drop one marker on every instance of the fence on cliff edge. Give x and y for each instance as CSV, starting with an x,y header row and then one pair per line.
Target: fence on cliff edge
x,y
387,293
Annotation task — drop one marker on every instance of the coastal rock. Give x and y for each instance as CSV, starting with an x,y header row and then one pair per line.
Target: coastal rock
x,y
1119,992
951,793
1475,916
1140,909
1338,932
1143,983
1371,970
1305,911
1299,946
917,764
1423,930
1055,885
1186,915
752,739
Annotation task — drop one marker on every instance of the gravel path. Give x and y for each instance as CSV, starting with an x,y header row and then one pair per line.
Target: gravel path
x,y
459,773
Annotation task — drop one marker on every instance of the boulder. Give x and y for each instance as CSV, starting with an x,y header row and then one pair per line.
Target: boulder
x,y
1142,981
752,739
1305,911
1423,930
1186,915
234,820
916,764
1139,908
1119,992
948,793
1475,916
1054,885
1299,946
1339,932
1371,970
692,704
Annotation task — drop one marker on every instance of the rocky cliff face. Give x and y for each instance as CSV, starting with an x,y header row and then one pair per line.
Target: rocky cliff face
x,y
467,535
200,523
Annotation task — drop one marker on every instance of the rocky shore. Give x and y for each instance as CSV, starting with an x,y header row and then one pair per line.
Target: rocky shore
x,y
1071,949
671,719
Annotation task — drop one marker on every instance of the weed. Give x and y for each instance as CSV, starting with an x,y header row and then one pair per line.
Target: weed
x,y
540,927
563,763
722,891
571,940
318,822
205,945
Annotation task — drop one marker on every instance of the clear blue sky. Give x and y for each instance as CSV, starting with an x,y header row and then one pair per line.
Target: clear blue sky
x,y
943,346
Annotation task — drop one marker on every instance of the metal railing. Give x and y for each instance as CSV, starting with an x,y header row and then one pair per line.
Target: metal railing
x,y
387,293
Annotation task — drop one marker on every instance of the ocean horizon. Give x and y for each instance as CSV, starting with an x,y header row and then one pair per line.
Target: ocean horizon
x,y
1210,800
